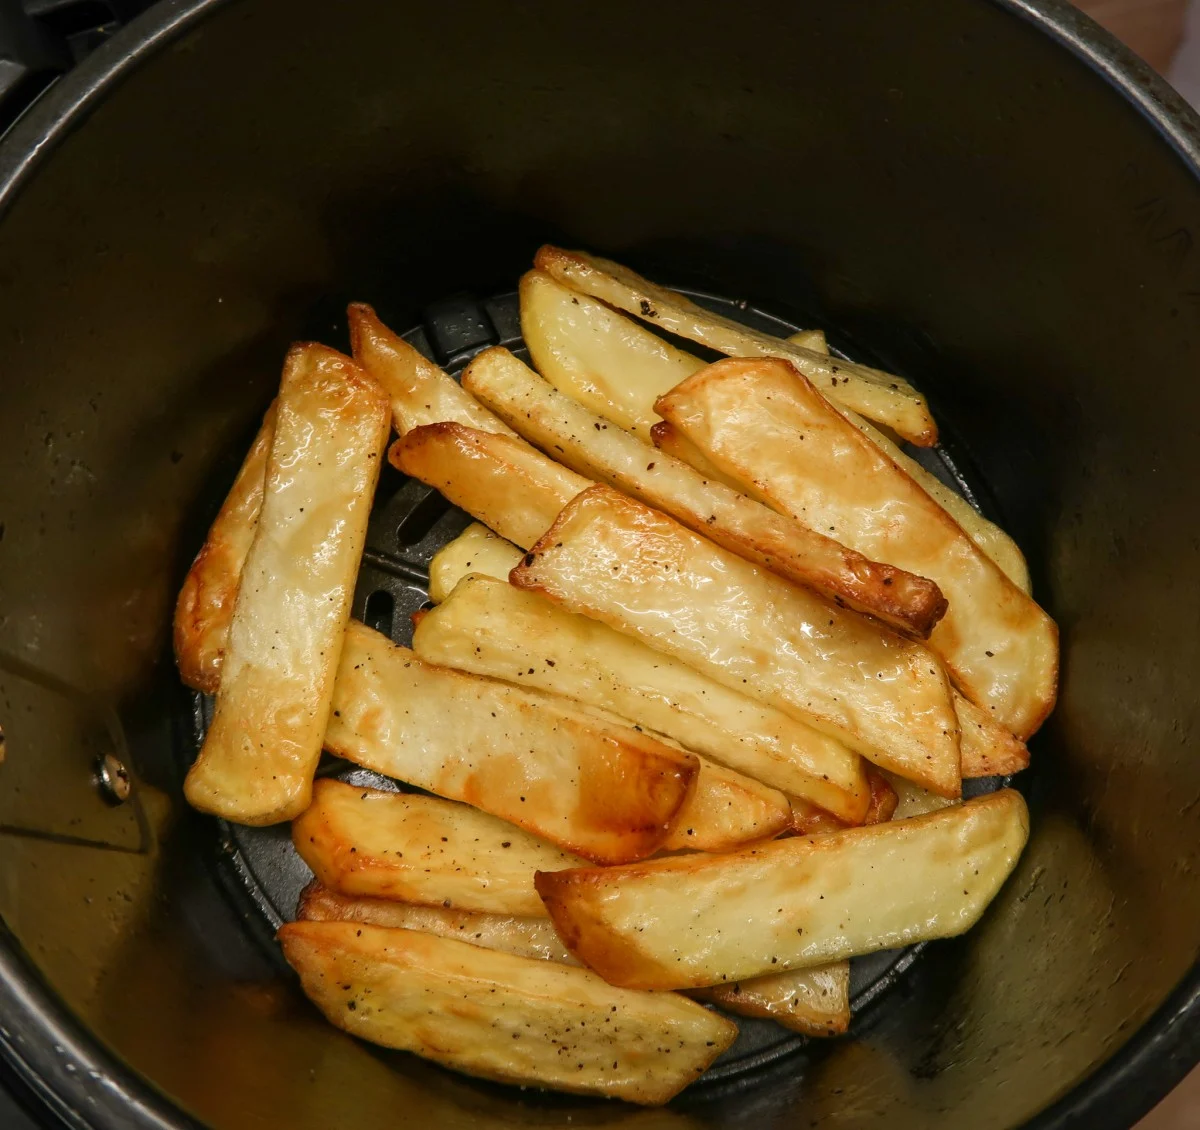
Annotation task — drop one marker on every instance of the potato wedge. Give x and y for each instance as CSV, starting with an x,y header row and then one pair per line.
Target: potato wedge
x,y
475,550
260,753
523,935
879,396
808,819
789,904
912,800
491,628
764,424
614,559
501,481
502,1017
604,791
421,849
671,441
726,811
420,393
587,444
605,361
205,605
988,749
813,1001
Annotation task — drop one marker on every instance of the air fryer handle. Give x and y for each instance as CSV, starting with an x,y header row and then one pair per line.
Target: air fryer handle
x,y
30,59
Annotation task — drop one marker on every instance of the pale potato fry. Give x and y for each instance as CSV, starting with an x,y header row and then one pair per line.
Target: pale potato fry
x,y
260,753
475,550
670,440
727,810
912,800
694,920
523,935
502,1017
586,443
764,423
603,791
488,627
813,1001
614,559
988,749
205,605
498,480
421,849
420,392
810,339
883,397
607,362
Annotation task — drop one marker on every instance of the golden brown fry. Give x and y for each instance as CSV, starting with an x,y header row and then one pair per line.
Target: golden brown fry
x,y
614,559
420,392
488,627
608,363
501,481
421,849
726,811
475,550
511,1019
808,819
602,790
205,605
523,935
587,443
879,396
693,920
765,424
813,1001
260,753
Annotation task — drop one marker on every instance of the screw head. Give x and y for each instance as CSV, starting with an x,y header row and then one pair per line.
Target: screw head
x,y
113,780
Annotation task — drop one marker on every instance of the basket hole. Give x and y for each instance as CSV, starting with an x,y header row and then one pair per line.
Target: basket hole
x,y
417,523
380,611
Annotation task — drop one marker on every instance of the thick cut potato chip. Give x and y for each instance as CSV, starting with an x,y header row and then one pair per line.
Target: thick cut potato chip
x,y
498,480
882,397
421,849
763,423
607,362
502,1017
260,753
205,605
475,550
695,920
813,1001
614,559
726,811
420,392
604,791
524,935
587,443
489,627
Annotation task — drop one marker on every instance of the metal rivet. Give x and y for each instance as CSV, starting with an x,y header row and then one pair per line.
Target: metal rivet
x,y
113,780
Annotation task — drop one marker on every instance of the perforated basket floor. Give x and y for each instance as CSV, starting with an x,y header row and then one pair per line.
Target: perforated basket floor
x,y
410,522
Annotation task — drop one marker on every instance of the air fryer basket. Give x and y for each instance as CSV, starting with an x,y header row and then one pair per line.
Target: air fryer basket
x,y
938,183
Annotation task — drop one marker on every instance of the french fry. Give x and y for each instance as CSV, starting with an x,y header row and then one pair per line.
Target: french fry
x,y
879,396
420,392
988,749
912,800
789,904
603,791
205,605
605,361
727,810
501,481
368,843
810,339
475,550
587,444
808,819
813,1001
491,628
260,753
616,560
765,424
671,441
523,935
502,1017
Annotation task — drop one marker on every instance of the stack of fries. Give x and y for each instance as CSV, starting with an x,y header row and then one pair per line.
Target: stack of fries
x,y
690,715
